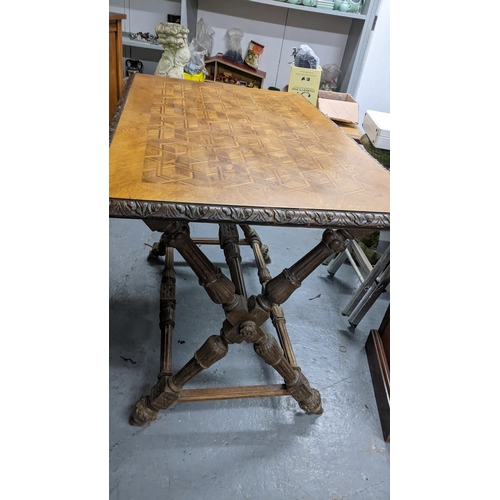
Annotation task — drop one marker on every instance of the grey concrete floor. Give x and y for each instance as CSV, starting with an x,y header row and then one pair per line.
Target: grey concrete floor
x,y
262,448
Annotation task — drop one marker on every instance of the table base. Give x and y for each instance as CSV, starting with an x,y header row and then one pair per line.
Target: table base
x,y
244,317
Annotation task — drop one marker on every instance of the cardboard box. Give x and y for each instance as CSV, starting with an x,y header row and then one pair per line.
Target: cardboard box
x,y
338,106
305,81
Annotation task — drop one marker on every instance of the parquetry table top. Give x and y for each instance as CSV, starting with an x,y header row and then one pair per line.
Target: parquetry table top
x,y
212,151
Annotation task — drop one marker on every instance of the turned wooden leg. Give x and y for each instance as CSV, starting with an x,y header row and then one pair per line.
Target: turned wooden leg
x,y
267,348
219,288
260,259
228,237
168,388
158,249
308,398
280,288
265,253
279,323
167,312
145,411
222,291
253,240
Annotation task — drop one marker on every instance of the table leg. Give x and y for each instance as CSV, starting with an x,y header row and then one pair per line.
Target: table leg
x,y
222,291
280,288
167,312
275,292
309,399
279,323
168,388
158,249
243,318
228,237
267,348
253,239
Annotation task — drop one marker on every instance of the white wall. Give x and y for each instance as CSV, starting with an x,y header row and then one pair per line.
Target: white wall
x,y
373,91
144,15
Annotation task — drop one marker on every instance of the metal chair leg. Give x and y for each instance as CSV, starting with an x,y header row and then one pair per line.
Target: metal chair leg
x,y
376,272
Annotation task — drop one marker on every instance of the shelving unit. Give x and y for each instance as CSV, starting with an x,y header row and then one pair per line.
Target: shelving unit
x,y
359,33
359,28
126,40
316,10
216,65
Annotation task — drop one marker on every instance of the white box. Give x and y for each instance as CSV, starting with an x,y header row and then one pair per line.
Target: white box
x,y
378,129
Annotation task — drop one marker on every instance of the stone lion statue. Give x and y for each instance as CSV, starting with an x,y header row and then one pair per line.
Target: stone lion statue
x,y
173,38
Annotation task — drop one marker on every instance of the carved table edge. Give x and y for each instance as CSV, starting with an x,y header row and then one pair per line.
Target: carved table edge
x,y
293,217
113,123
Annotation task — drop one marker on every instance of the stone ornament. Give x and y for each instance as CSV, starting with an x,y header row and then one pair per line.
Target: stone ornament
x,y
173,38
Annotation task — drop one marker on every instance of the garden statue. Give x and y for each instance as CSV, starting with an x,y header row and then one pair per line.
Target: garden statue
x,y
173,38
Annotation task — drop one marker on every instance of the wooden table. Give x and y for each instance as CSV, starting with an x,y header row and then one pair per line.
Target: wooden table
x,y
184,151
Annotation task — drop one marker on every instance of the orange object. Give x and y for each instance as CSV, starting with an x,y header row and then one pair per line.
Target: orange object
x,y
254,53
257,49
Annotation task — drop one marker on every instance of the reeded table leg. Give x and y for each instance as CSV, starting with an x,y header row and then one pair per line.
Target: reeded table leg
x,y
253,239
228,237
167,312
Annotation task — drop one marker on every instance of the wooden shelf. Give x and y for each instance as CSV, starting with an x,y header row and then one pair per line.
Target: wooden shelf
x,y
218,64
316,10
126,40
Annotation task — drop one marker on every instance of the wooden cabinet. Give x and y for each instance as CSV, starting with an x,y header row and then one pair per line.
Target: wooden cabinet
x,y
378,353
115,60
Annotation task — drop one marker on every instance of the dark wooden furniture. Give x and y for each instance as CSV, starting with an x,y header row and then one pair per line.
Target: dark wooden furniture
x,y
184,151
115,60
218,65
378,354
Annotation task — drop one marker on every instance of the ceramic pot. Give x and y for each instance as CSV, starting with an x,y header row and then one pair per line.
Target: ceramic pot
x,y
133,66
336,4
344,6
355,6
